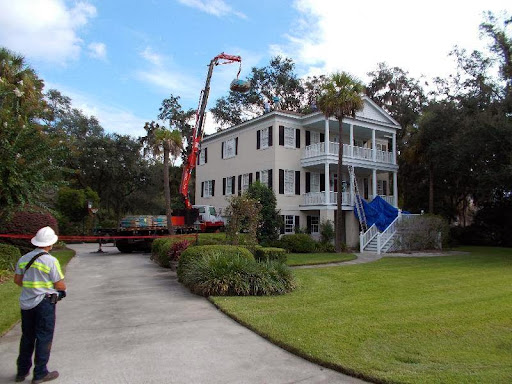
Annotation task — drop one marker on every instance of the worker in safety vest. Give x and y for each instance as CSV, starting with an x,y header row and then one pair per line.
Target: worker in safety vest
x,y
42,282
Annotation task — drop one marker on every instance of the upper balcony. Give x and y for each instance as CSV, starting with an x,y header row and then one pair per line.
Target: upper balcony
x,y
316,154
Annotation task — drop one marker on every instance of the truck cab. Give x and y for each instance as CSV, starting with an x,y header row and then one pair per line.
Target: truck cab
x,y
210,221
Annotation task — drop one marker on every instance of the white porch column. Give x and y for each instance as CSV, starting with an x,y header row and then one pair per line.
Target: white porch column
x,y
374,146
394,148
327,187
374,183
327,140
351,154
395,189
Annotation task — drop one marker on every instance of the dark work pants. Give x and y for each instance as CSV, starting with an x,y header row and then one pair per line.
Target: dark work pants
x,y
37,326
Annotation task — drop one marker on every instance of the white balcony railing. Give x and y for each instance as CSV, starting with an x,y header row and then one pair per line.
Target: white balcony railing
x,y
318,198
349,152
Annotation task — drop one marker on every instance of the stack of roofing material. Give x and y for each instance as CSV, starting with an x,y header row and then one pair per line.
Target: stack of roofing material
x,y
143,221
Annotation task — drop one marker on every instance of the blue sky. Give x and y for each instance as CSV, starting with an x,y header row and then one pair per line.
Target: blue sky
x,y
118,60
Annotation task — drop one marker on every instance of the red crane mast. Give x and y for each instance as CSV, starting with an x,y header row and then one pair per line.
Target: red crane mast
x,y
198,131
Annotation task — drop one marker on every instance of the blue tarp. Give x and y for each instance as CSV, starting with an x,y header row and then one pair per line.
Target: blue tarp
x,y
378,212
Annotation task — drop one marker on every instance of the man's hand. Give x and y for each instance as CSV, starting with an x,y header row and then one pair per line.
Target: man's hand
x,y
18,280
60,285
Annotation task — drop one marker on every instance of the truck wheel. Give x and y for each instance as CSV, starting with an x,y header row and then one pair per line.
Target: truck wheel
x,y
124,248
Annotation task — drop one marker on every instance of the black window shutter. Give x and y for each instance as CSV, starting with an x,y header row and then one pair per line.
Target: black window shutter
x,y
270,178
281,135
236,146
223,185
297,221
239,185
205,155
282,225
322,137
198,157
270,136
309,223
258,135
308,182
322,182
297,182
257,176
233,182
297,138
222,151
308,138
281,181
213,187
202,188
250,178
385,187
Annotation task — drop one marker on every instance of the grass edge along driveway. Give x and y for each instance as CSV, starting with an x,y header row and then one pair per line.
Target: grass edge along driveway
x,y
10,293
399,320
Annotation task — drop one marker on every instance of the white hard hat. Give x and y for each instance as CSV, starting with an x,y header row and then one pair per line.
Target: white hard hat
x,y
44,237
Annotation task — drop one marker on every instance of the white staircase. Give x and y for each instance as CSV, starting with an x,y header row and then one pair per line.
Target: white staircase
x,y
374,241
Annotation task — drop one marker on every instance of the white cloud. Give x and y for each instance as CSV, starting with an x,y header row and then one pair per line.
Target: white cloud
x,y
355,36
217,8
161,74
44,29
98,50
112,118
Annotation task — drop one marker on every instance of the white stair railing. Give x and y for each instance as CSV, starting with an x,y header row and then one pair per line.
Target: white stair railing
x,y
385,236
366,237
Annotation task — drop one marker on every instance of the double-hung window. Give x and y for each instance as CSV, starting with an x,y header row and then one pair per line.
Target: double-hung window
x,y
229,148
289,182
229,185
246,181
264,138
264,177
208,188
289,137
203,156
315,182
314,224
289,224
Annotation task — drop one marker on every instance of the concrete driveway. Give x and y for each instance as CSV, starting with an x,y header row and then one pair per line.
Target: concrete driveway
x,y
126,320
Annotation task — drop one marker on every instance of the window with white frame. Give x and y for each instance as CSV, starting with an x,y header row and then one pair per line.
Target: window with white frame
x,y
208,188
229,148
289,224
315,182
229,185
264,138
315,224
245,181
289,182
382,147
382,187
202,157
289,137
314,137
264,177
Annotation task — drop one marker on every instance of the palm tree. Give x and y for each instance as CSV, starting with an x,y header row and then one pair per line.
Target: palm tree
x,y
341,96
163,142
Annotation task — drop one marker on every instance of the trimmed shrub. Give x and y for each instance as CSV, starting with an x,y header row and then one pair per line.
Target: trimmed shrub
x,y
160,250
207,251
327,232
422,233
222,275
328,247
298,243
270,254
9,256
28,222
177,249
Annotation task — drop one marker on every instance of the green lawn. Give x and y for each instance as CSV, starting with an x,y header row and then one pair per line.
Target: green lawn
x,y
400,320
10,292
317,258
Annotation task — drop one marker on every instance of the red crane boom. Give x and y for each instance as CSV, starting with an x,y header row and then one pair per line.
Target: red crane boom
x,y
198,132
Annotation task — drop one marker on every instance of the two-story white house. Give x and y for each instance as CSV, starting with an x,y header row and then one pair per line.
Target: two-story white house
x,y
296,155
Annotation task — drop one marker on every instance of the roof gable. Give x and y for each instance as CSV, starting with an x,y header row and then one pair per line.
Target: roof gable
x,y
371,111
